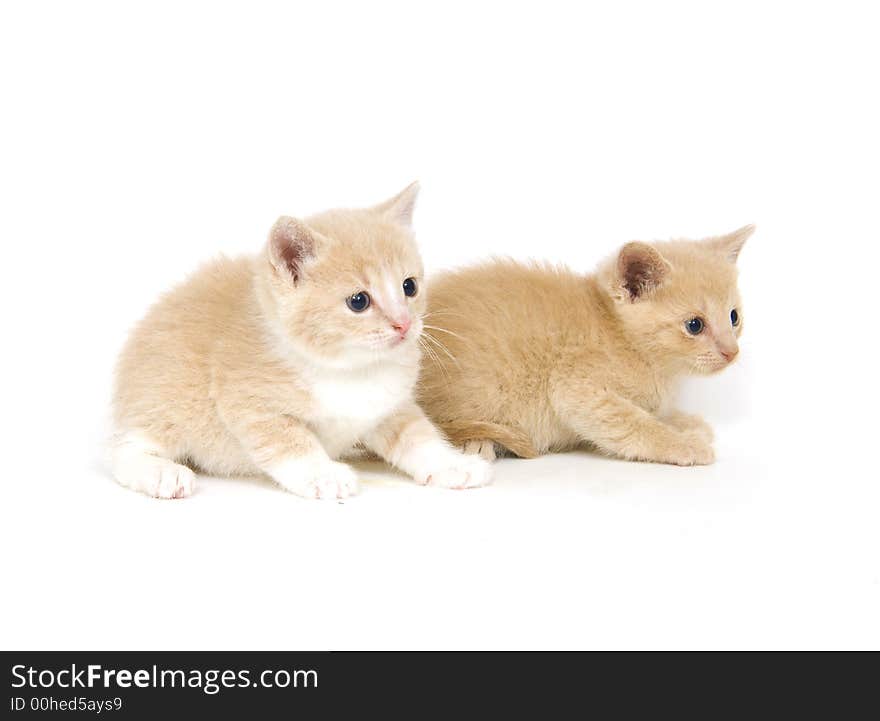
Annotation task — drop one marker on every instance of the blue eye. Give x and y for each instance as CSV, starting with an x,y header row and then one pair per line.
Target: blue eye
x,y
694,326
410,287
358,302
734,317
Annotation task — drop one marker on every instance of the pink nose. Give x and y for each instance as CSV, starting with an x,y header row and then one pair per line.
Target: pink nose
x,y
729,355
402,326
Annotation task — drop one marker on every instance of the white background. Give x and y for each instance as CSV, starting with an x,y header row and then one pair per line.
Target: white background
x,y
137,140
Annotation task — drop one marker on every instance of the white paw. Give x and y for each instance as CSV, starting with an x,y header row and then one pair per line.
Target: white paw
x,y
139,464
455,470
317,478
175,481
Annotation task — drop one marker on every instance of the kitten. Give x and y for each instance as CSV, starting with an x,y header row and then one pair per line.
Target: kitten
x,y
283,363
537,358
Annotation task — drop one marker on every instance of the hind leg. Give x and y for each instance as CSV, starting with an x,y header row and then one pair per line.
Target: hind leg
x,y
141,466
480,447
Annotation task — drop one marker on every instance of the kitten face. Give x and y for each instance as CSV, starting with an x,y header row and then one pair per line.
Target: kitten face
x,y
680,300
348,284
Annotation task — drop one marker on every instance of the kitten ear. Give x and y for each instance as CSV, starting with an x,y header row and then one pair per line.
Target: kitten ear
x,y
731,244
291,244
640,270
400,208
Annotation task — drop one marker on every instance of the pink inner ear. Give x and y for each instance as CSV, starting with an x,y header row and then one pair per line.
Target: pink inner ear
x,y
639,277
292,256
292,244
641,268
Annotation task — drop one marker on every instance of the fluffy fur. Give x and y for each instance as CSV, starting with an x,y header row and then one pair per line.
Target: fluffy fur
x,y
534,358
258,366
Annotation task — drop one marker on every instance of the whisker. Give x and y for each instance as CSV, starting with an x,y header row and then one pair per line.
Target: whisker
x,y
440,345
444,330
432,354
443,311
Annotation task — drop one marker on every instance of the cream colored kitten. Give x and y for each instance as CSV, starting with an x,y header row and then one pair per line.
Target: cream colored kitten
x,y
536,358
286,362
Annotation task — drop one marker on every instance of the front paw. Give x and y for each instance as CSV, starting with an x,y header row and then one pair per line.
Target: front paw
x,y
483,448
321,479
691,449
456,471
687,422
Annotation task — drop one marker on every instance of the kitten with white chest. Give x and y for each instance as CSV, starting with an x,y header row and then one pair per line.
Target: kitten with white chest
x,y
539,358
286,363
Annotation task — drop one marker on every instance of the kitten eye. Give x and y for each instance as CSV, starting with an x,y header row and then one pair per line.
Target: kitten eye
x,y
410,287
734,318
694,326
358,302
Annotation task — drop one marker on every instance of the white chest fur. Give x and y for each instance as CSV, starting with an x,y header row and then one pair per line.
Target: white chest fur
x,y
348,403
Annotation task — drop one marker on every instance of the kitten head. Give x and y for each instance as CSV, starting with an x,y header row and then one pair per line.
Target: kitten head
x,y
679,299
346,286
